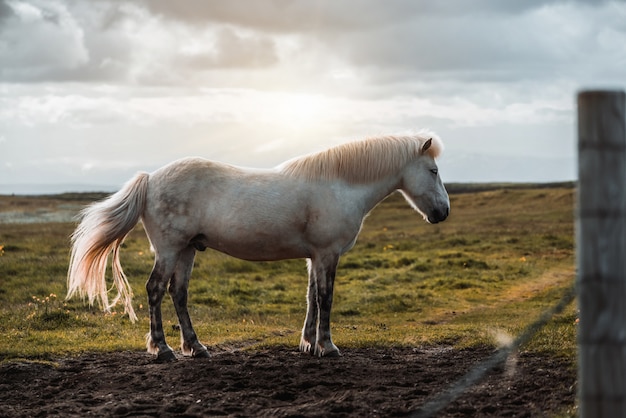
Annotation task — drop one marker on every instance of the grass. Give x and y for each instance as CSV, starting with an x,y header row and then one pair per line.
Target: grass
x,y
502,257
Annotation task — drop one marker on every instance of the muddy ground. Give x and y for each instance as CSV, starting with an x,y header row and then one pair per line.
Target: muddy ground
x,y
285,383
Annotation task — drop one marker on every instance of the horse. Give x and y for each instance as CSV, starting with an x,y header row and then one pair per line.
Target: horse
x,y
311,207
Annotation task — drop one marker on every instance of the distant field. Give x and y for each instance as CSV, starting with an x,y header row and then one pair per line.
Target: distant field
x,y
503,256
46,208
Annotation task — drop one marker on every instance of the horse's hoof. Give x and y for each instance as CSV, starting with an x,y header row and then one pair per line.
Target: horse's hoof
x,y
201,354
332,354
166,357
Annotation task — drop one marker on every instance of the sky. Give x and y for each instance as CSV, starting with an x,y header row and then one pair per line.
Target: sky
x,y
93,91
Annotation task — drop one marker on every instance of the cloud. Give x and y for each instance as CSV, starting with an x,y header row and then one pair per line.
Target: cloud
x,y
229,49
139,83
554,40
38,40
479,40
279,16
118,42
324,16
302,45
6,11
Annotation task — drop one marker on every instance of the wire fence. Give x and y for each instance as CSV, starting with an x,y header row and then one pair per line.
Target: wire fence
x,y
441,401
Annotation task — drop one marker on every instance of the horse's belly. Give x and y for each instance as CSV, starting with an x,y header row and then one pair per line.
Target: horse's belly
x,y
260,252
262,247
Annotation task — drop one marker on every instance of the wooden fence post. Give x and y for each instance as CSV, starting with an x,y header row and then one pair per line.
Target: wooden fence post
x,y
601,253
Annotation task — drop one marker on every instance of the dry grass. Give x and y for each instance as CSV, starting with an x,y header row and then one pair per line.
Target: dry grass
x,y
501,258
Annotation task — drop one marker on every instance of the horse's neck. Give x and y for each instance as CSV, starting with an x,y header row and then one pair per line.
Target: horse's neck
x,y
373,193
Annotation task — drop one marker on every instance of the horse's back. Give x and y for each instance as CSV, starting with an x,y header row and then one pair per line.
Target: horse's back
x,y
197,182
252,214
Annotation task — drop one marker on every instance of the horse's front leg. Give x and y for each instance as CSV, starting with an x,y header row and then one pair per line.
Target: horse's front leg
x,y
155,340
178,290
309,331
325,269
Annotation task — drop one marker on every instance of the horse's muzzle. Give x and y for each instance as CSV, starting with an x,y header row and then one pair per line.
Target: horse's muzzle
x,y
439,215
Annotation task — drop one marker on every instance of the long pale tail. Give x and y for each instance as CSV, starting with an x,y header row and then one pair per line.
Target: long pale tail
x,y
102,229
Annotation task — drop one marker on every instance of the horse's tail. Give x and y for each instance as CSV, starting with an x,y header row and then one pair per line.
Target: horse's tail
x,y
102,229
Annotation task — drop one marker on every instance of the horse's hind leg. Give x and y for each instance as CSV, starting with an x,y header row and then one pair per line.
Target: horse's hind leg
x,y
178,291
156,287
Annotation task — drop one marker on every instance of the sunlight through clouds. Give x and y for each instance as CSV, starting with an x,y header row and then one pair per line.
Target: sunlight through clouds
x,y
254,83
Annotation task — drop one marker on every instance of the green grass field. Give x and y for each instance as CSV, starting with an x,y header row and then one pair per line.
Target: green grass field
x,y
501,258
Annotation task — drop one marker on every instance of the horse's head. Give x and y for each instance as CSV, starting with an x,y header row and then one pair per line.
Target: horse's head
x,y
422,187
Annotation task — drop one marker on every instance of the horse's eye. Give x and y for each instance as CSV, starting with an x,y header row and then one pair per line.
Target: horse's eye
x,y
434,171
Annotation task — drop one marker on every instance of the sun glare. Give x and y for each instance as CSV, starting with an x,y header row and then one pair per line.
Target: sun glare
x,y
295,109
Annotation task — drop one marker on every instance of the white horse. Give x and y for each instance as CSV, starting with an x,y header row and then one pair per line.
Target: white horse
x,y
310,207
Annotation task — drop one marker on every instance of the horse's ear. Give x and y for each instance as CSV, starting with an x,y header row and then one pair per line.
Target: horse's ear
x,y
427,145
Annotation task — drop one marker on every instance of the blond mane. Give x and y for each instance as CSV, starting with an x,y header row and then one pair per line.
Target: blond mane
x,y
363,161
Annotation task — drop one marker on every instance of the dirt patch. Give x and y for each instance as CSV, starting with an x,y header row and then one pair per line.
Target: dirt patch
x,y
283,382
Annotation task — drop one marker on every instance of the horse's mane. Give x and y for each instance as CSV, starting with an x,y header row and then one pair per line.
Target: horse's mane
x,y
363,161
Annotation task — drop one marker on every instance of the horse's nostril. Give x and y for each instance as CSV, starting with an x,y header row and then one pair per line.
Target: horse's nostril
x,y
438,215
442,214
